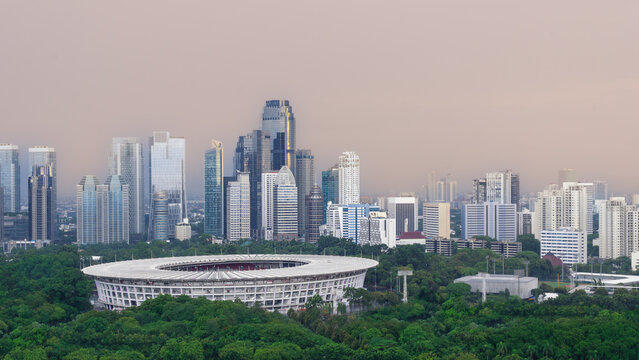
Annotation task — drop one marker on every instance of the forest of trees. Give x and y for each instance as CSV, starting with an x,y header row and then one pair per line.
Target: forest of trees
x,y
45,313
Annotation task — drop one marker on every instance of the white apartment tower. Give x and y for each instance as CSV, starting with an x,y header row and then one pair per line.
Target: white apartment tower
x,y
437,220
404,210
569,205
285,206
348,178
238,208
268,185
618,228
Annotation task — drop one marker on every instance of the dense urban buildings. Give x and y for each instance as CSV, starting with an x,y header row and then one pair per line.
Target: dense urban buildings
x,y
525,222
498,221
127,162
569,205
10,177
42,211
343,221
113,210
330,186
214,190
618,228
501,187
305,179
436,220
238,208
285,206
404,210
167,172
314,214
377,229
160,216
348,178
268,187
87,210
567,175
279,122
570,245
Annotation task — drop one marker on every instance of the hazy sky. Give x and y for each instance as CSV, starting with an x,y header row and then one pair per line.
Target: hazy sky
x,y
412,86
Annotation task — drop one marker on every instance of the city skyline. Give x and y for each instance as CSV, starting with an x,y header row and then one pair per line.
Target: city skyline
x,y
531,77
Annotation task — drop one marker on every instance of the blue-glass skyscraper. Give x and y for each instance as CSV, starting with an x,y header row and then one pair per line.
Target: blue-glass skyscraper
x,y
330,187
126,160
278,120
42,204
87,210
113,211
214,190
160,216
10,177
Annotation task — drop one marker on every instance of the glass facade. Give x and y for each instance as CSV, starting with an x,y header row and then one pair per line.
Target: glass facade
x,y
278,120
330,187
213,190
167,162
46,156
305,179
116,227
160,216
10,177
41,204
127,162
87,211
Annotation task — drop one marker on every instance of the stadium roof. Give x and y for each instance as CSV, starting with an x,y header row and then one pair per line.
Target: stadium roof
x,y
154,269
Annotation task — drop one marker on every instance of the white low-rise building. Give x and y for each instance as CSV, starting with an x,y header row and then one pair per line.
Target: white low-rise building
x,y
183,230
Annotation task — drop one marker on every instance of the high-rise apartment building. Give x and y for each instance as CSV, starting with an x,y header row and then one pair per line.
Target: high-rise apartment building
x,y
479,191
160,216
87,210
432,188
600,190
501,187
238,208
404,211
446,189
314,214
10,177
253,156
285,206
41,203
330,187
567,175
168,174
498,221
525,220
377,229
343,221
214,190
278,120
348,178
304,179
570,245
569,205
127,162
618,228
436,220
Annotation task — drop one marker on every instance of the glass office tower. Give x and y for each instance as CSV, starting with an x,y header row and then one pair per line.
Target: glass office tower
x,y
10,177
127,162
167,170
41,204
214,190
87,210
278,120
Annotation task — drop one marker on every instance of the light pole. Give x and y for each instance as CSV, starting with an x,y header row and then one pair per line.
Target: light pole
x,y
405,274
487,257
526,262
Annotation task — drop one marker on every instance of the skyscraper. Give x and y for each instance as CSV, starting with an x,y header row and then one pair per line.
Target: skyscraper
x,y
437,220
278,120
568,205
87,210
567,175
126,161
498,221
501,187
304,179
10,177
113,211
404,211
268,186
479,191
238,208
167,169
214,190
314,214
618,228
348,178
446,189
46,156
377,229
285,206
41,203
253,156
160,216
330,187
600,190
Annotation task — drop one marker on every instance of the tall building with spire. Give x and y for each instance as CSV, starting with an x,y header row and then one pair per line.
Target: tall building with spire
x,y
348,166
10,177
42,203
279,121
214,190
305,179
46,156
168,174
127,162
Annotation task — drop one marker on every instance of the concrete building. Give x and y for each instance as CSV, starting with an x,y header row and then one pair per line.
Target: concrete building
x,y
160,216
493,284
501,187
87,210
42,211
506,248
268,187
411,238
214,190
570,245
40,156
285,206
498,221
405,212
569,205
314,214
168,173
525,222
377,229
183,230
436,220
343,221
304,179
600,190
567,175
443,247
16,227
238,208
618,228
348,179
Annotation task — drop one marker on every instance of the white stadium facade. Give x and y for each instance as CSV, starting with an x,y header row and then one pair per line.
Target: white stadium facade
x,y
274,282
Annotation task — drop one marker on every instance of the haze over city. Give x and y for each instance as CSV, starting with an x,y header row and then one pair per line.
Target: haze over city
x,y
412,87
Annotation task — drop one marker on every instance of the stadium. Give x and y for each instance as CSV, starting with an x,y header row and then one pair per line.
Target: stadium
x,y
274,282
